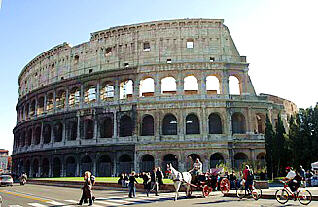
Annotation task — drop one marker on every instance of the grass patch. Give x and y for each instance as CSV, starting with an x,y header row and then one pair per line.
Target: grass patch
x,y
98,179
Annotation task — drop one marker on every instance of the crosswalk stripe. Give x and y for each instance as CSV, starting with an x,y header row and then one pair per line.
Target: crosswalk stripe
x,y
15,206
71,201
108,203
55,203
120,201
36,205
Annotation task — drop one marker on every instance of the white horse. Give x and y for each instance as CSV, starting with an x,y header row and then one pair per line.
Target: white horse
x,y
179,179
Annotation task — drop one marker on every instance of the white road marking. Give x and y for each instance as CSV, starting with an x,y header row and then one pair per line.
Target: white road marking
x,y
15,206
119,201
36,205
71,201
108,203
55,203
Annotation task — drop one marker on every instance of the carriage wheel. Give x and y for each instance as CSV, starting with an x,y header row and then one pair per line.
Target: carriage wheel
x,y
225,185
205,191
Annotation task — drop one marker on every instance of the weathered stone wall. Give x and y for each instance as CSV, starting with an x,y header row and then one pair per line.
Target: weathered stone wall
x,y
73,101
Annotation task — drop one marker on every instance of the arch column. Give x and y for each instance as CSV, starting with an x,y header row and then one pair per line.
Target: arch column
x,y
157,86
98,92
180,85
67,92
225,90
115,135
78,126
136,89
116,90
45,103
41,136
204,123
54,100
82,96
181,125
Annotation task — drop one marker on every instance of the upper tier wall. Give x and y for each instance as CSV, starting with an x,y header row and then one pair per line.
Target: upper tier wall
x,y
119,47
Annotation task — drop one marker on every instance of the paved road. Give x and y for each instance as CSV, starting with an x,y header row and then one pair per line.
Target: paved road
x,y
43,196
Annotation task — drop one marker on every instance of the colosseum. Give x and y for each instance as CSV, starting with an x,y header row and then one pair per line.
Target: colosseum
x,y
138,96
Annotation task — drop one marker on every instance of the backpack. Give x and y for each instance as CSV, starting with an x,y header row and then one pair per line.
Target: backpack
x,y
250,175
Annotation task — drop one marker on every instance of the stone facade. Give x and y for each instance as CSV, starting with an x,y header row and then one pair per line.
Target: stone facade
x,y
87,107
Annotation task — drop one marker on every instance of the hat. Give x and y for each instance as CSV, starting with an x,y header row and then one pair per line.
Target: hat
x,y
287,168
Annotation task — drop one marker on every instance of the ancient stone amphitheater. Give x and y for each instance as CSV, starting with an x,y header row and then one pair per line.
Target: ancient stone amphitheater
x,y
139,96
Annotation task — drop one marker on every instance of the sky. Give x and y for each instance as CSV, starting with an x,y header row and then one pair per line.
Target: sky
x,y
279,38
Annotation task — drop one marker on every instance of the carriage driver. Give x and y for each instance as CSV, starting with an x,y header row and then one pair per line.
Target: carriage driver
x,y
197,167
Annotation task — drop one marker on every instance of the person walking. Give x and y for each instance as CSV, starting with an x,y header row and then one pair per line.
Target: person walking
x,y
87,189
147,182
154,181
131,185
159,178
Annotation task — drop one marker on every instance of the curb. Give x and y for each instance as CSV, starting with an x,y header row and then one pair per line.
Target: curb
x,y
267,196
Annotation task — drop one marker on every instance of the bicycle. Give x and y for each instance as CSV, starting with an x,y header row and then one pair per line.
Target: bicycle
x,y
256,193
283,195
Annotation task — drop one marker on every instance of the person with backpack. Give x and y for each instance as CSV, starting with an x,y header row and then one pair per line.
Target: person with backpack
x,y
87,189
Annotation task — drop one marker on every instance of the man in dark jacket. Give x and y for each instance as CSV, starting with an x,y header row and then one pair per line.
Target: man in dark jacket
x,y
154,181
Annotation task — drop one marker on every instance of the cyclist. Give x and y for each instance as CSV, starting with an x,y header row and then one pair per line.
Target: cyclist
x,y
248,177
293,179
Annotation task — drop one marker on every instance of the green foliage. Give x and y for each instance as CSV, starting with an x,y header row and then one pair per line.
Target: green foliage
x,y
298,147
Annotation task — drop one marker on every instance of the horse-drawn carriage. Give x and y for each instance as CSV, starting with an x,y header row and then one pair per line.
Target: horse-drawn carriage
x,y
205,182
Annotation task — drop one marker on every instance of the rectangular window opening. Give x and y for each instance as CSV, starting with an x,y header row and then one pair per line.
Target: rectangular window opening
x,y
212,59
90,70
190,44
126,65
146,46
168,60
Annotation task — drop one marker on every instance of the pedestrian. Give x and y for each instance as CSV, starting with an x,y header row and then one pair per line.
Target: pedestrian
x,y
87,189
302,172
147,182
233,180
131,185
120,180
159,176
154,181
309,174
125,180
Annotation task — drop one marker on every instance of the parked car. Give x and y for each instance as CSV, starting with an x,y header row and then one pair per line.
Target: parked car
x,y
6,180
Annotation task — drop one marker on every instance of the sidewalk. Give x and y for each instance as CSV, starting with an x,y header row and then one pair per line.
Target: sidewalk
x,y
270,193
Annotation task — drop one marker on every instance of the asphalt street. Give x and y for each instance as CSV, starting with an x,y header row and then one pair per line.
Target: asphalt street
x,y
42,196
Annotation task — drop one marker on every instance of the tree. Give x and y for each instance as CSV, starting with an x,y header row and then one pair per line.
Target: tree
x,y
279,150
269,136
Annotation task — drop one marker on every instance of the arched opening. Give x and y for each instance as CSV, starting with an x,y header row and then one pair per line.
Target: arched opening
x,y
260,120
22,139
107,91
27,168
191,159
190,85
168,85
37,135
126,89
89,129
86,164
238,123
169,125
49,102
60,99
58,132
215,124
72,133
167,159
105,166
147,87
261,163
192,124
239,160
70,167
56,167
32,108
147,163
234,85
74,97
26,109
147,128
106,130
126,126
216,159
212,85
40,106
90,94
125,164
47,133
45,168
35,169
29,137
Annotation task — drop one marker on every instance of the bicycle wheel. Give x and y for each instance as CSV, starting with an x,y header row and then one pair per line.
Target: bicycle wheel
x,y
282,196
240,192
304,197
256,193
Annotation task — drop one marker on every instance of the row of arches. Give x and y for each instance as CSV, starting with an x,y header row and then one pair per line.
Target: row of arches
x,y
104,166
91,92
86,129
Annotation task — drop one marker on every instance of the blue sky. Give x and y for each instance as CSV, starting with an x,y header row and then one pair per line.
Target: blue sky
x,y
279,38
